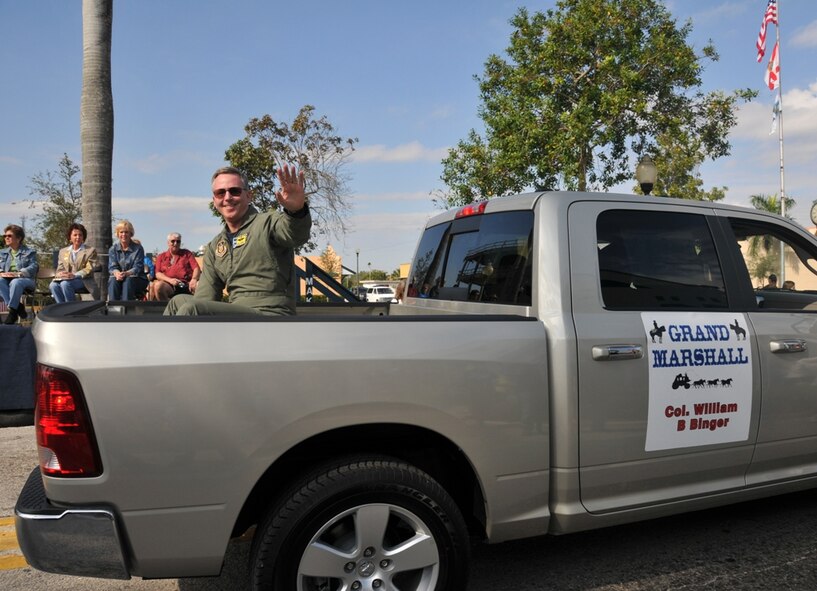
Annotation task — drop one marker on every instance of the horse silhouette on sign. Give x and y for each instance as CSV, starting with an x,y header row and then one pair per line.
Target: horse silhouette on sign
x,y
657,331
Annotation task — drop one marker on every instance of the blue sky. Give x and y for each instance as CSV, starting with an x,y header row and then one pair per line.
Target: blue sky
x,y
189,74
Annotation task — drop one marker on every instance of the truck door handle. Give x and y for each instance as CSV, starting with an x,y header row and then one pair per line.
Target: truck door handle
x,y
788,346
617,352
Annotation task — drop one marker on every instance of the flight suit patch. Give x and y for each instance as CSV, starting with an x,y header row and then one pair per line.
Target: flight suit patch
x,y
239,240
221,248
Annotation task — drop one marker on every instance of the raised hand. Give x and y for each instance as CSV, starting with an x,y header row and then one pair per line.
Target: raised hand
x,y
292,194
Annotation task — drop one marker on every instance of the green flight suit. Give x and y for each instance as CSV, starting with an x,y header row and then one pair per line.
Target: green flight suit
x,y
255,265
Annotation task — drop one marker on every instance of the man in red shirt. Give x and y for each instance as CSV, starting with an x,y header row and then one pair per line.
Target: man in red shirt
x,y
177,271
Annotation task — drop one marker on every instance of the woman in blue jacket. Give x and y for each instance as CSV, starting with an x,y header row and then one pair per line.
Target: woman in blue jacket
x,y
126,265
18,271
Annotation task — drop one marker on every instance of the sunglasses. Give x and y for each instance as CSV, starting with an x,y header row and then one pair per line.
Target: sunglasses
x,y
175,241
8,235
234,191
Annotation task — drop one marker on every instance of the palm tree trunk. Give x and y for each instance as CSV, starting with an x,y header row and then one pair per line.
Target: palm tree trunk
x,y
96,129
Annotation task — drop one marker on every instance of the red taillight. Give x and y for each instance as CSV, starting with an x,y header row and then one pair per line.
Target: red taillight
x,y
472,209
65,438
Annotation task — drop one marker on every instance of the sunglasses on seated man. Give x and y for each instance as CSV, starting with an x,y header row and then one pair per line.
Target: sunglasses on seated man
x,y
234,191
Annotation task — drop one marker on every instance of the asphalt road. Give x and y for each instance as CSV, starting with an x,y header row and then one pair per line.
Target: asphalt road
x,y
762,545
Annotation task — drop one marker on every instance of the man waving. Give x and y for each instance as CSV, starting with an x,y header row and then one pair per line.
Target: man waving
x,y
252,258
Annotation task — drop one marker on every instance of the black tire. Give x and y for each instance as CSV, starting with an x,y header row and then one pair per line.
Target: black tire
x,y
376,521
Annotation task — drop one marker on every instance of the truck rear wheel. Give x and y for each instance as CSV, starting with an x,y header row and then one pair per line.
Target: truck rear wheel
x,y
364,523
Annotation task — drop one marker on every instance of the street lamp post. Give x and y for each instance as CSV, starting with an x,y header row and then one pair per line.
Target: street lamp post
x,y
646,174
357,269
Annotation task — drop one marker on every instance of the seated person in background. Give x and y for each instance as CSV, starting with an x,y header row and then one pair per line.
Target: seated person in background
x,y
788,285
18,270
772,284
126,265
150,268
74,263
177,271
399,291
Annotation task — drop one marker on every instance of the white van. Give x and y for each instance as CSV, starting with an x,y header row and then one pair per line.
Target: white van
x,y
379,293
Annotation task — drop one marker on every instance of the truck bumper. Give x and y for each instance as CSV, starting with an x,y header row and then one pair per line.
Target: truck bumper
x,y
81,541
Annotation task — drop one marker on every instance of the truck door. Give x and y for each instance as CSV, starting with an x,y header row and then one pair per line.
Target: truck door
x,y
784,318
668,386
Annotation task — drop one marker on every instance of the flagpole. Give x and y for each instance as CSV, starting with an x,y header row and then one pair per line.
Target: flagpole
x,y
780,142
780,116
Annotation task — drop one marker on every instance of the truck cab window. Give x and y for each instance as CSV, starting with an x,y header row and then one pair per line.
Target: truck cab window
x,y
427,258
781,266
651,260
483,258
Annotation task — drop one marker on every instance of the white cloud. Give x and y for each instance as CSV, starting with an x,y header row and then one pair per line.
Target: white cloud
x,y
207,229
17,209
165,203
411,152
390,222
802,100
384,239
399,197
807,36
799,116
10,160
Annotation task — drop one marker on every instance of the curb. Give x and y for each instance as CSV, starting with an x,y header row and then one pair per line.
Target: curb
x,y
16,418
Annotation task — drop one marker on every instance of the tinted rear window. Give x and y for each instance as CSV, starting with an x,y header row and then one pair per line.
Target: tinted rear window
x,y
480,259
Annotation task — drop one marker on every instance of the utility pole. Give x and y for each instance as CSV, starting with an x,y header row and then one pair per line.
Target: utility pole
x,y
357,270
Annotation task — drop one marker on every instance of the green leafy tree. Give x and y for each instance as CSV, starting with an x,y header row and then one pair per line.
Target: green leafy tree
x,y
585,88
764,263
314,146
771,203
764,249
60,197
677,160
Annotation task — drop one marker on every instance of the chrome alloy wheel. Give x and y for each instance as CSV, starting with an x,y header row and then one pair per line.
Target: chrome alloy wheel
x,y
375,547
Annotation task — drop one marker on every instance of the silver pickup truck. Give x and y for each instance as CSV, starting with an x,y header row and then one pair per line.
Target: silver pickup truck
x,y
563,361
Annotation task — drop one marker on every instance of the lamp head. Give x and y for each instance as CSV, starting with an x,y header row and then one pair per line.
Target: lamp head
x,y
646,174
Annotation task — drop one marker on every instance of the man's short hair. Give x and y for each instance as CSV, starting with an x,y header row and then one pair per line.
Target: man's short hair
x,y
773,278
231,170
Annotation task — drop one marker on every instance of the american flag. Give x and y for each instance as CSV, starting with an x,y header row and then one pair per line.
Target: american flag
x,y
769,17
772,76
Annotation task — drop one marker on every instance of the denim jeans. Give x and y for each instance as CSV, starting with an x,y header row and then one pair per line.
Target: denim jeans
x,y
11,290
65,290
128,289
